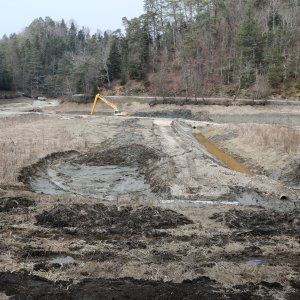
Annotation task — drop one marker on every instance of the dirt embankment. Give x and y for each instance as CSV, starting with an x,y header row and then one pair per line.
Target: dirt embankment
x,y
152,160
206,101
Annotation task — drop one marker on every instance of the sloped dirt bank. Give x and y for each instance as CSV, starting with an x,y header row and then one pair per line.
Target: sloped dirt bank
x,y
257,118
206,101
261,118
290,175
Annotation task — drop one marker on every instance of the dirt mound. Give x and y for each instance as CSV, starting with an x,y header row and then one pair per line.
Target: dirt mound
x,y
9,203
177,101
173,114
203,101
261,222
176,114
27,172
21,285
291,174
103,221
127,155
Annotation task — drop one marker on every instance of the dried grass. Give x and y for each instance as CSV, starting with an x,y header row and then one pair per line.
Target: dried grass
x,y
281,139
230,273
24,140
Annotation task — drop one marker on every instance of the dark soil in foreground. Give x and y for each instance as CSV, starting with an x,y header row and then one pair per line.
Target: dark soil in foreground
x,y
101,220
21,285
91,243
261,222
10,203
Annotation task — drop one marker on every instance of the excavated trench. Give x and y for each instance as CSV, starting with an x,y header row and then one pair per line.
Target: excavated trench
x,y
120,173
229,161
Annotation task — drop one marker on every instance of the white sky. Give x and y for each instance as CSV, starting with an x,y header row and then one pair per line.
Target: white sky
x,y
94,14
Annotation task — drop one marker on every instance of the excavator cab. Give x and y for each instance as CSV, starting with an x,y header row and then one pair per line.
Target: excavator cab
x,y
116,110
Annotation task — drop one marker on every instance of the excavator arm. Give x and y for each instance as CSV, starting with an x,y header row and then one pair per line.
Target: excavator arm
x,y
116,110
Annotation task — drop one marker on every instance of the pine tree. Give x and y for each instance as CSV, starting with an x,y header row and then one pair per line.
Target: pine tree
x,y
250,45
114,61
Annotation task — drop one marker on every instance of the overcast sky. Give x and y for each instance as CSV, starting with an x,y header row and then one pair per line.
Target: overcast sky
x,y
95,14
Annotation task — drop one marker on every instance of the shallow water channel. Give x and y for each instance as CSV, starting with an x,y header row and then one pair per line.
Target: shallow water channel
x,y
229,161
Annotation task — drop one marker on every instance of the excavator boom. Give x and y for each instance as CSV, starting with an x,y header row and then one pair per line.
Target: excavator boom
x,y
117,112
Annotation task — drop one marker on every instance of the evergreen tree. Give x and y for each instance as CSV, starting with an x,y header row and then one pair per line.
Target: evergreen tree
x,y
199,43
114,61
5,75
250,45
138,47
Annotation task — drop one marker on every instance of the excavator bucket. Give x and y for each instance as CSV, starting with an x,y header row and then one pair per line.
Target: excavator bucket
x,y
121,113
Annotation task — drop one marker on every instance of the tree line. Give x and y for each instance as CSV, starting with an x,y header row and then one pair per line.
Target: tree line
x,y
176,47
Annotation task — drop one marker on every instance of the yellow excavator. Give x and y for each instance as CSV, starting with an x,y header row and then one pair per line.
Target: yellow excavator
x,y
117,112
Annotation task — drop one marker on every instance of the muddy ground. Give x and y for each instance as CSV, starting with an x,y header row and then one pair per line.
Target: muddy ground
x,y
135,208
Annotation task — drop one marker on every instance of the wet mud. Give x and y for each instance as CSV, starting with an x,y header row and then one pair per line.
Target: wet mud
x,y
175,114
225,158
101,221
9,203
262,222
21,285
291,174
116,174
79,238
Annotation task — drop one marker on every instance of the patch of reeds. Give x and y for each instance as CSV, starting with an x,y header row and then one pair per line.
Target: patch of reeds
x,y
282,139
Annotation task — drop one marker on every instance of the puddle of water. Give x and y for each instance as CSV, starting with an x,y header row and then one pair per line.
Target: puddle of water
x,y
254,261
216,152
193,203
63,260
110,182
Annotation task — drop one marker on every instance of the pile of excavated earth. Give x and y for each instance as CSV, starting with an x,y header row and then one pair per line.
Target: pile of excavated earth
x,y
145,210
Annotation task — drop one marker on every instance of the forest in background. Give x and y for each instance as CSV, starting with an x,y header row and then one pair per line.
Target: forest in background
x,y
191,48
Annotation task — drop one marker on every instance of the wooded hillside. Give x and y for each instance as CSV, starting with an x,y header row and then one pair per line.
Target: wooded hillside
x,y
177,47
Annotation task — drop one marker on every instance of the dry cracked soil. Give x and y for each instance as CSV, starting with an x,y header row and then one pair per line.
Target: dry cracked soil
x,y
103,207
